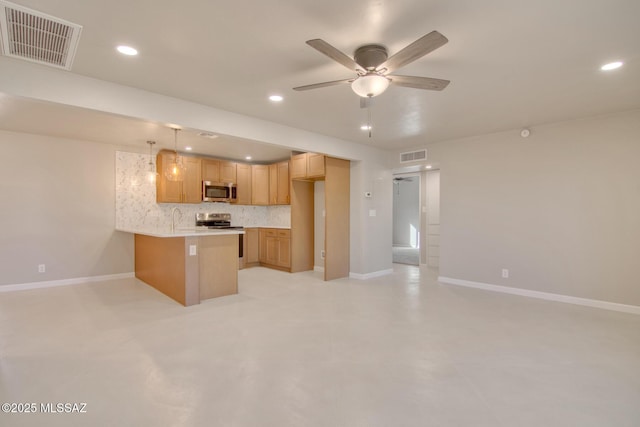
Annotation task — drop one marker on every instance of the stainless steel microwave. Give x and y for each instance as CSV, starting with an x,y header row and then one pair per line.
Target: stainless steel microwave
x,y
218,192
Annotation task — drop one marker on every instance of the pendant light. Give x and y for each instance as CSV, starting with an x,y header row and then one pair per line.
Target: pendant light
x,y
151,175
175,170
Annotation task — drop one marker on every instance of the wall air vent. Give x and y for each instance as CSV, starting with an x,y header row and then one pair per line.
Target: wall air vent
x,y
37,37
413,156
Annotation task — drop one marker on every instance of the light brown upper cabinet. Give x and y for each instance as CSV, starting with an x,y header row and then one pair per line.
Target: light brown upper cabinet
x,y
299,166
215,170
259,184
315,165
189,190
166,191
279,183
273,184
243,182
308,166
255,184
228,171
284,184
211,170
192,185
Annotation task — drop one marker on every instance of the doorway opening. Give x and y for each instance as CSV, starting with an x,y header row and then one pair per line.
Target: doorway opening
x,y
416,218
406,219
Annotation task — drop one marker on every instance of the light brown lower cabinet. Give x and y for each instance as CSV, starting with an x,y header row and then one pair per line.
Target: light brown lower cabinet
x,y
275,248
251,247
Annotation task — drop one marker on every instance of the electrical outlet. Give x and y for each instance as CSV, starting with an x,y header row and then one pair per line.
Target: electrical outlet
x,y
192,250
322,254
41,268
505,273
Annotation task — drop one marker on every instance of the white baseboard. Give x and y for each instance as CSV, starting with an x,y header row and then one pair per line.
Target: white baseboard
x,y
318,268
370,275
634,309
63,282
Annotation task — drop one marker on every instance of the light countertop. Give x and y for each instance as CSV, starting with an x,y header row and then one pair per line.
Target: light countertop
x,y
270,226
182,232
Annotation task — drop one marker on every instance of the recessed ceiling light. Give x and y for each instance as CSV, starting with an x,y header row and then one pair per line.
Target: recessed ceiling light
x,y
276,98
611,66
188,148
127,50
248,158
365,127
428,167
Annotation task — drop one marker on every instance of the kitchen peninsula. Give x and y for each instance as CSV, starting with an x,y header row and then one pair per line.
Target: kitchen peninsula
x,y
188,265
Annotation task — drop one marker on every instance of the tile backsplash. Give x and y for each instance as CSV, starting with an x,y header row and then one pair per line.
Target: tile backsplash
x,y
136,207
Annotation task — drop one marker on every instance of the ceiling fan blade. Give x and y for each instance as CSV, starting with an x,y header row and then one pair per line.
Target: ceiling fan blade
x,y
427,83
324,84
415,50
333,53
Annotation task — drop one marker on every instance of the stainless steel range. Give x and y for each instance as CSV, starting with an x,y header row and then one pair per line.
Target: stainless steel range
x,y
215,220
220,221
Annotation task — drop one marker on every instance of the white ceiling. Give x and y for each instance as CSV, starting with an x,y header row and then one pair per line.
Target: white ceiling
x,y
511,63
64,121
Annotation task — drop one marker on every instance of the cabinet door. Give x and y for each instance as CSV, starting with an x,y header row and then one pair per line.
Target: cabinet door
x,y
284,248
243,184
283,183
228,171
299,166
259,185
272,248
166,191
273,184
192,185
252,250
210,170
262,254
315,165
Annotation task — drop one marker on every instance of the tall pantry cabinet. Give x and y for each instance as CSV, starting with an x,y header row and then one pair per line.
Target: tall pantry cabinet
x,y
306,168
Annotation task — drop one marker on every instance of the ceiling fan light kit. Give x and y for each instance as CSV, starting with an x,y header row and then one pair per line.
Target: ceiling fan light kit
x,y
373,66
370,85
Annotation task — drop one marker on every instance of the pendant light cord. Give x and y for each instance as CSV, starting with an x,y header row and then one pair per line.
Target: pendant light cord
x,y
369,118
175,144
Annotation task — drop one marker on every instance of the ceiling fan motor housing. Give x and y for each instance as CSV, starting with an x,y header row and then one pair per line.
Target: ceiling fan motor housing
x,y
370,56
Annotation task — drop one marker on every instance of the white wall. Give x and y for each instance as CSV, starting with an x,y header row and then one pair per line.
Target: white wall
x,y
430,218
560,209
371,236
58,201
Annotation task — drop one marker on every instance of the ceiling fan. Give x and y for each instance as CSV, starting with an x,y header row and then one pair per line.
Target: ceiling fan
x,y
373,66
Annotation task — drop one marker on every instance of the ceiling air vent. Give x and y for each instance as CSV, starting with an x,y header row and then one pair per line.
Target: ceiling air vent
x,y
413,156
37,37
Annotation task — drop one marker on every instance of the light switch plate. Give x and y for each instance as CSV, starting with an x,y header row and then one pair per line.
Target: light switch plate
x,y
192,250
372,212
